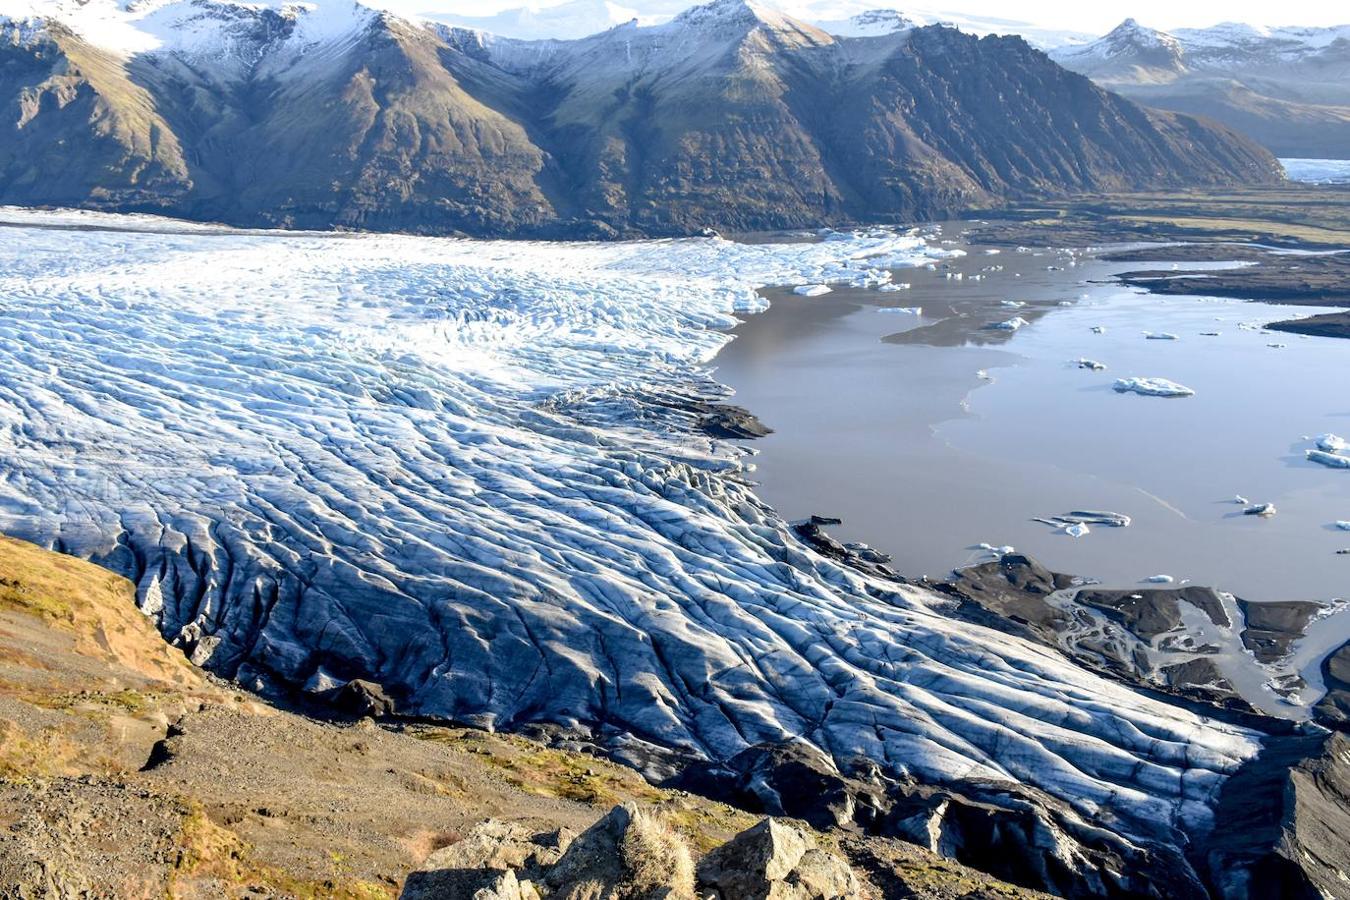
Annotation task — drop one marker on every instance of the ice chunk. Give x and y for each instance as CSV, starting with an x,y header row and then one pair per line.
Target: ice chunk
x,y
1331,443
1153,387
1160,579
1264,510
1077,529
1343,525
983,375
1012,324
1085,363
1086,517
895,286
903,310
1334,460
1160,336
1013,304
811,290
1240,500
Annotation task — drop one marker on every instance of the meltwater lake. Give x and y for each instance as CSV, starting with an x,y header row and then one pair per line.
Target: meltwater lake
x,y
932,434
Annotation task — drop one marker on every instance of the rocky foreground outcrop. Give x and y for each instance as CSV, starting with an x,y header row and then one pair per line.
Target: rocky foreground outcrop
x,y
631,854
733,116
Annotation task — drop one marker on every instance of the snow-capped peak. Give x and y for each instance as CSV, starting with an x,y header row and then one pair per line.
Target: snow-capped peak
x,y
229,31
567,21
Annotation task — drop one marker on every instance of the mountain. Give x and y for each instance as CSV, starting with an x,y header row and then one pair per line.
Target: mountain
x,y
566,21
732,115
1288,88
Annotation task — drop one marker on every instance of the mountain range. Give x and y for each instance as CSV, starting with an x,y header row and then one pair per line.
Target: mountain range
x,y
730,116
1289,88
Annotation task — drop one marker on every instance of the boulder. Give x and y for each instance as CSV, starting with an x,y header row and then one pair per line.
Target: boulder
x,y
495,861
628,855
775,861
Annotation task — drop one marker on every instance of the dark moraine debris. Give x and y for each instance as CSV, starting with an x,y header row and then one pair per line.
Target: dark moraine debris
x,y
1273,627
1298,280
1282,820
858,556
1336,325
1014,587
1154,612
1334,708
732,423
1018,834
1198,677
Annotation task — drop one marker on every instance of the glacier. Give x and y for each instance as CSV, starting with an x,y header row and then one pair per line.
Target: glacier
x,y
471,472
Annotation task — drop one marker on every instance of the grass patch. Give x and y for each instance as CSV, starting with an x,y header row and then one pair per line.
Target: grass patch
x,y
212,852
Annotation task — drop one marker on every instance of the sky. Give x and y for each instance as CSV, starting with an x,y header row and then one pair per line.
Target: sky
x,y
1098,16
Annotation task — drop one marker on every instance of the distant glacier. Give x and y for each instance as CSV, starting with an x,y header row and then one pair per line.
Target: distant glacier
x,y
1318,171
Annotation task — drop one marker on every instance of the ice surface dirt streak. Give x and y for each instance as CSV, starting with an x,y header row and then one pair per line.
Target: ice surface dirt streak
x,y
442,465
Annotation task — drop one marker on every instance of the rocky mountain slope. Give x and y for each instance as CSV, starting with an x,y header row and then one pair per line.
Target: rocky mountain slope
x,y
1289,88
731,116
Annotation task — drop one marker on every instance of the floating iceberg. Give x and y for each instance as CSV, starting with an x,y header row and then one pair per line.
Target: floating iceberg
x,y
903,310
1077,530
1086,517
1343,525
1334,460
1013,304
1159,579
895,286
1153,387
1160,336
1263,510
1085,363
811,290
1099,329
1331,443
1012,324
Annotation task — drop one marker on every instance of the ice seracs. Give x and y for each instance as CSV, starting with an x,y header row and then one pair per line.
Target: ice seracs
x,y
1153,387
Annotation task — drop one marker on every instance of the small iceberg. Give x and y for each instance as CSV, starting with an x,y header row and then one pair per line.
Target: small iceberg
x,y
1012,324
984,375
903,310
1160,336
1154,387
1099,329
1240,500
1331,443
811,290
894,286
1159,579
1092,364
1076,530
1333,460
1264,510
1085,517
1013,304
1343,525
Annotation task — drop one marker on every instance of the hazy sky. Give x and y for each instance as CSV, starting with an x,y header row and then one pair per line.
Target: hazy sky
x,y
1089,16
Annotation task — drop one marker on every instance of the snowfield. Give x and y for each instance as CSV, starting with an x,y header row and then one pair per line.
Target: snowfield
x,y
470,471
